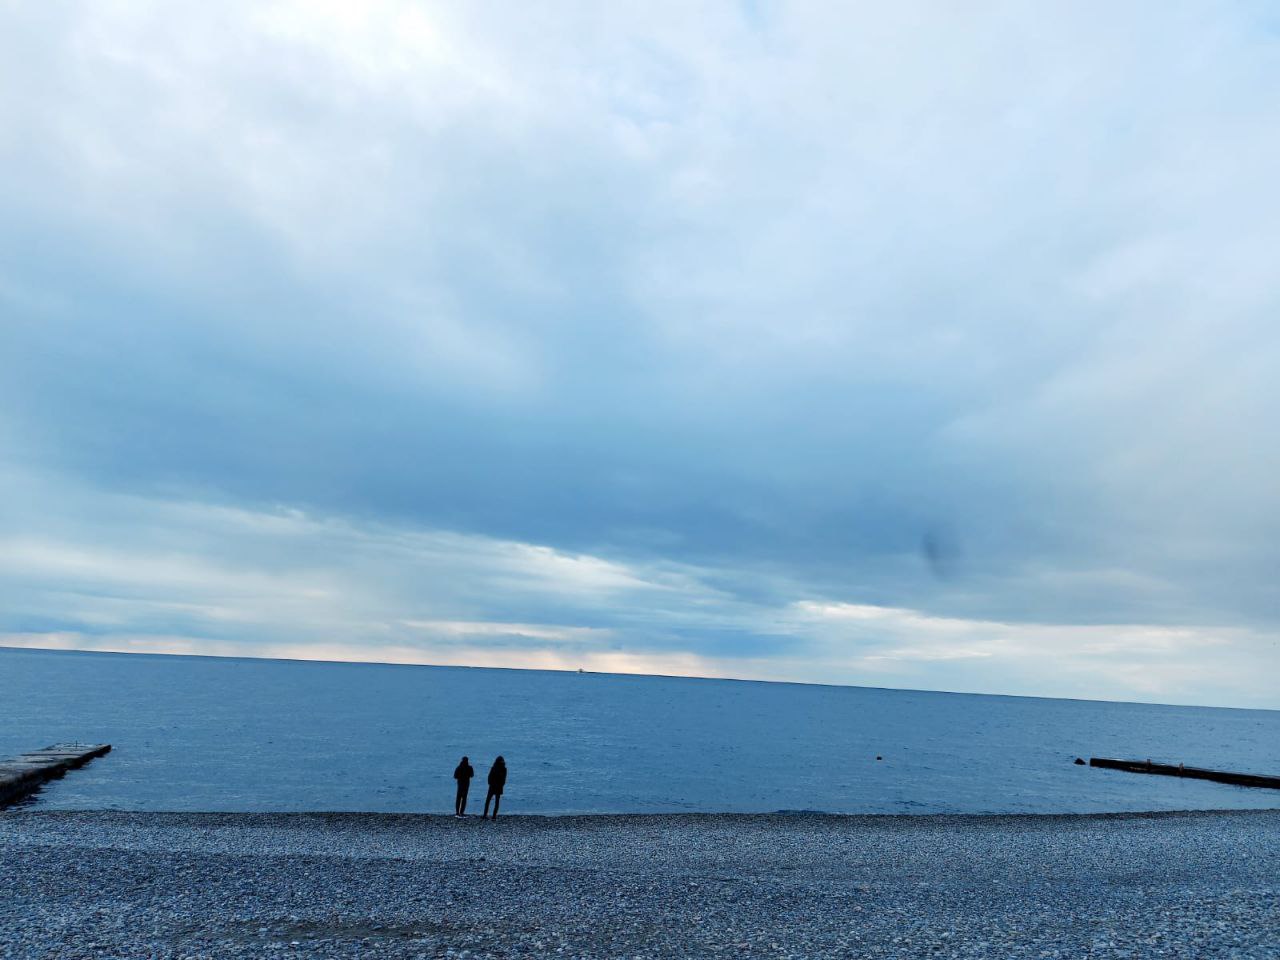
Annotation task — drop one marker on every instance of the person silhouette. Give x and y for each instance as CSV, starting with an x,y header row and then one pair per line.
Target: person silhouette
x,y
463,774
497,780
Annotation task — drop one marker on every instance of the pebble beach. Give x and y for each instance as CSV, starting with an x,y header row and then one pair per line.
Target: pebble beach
x,y
127,885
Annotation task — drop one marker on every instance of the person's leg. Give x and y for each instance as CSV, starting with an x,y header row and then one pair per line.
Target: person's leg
x,y
497,799
487,798
462,800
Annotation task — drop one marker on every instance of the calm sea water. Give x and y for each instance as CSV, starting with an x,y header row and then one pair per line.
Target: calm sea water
x,y
195,733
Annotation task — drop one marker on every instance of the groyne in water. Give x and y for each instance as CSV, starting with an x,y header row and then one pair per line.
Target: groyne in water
x,y
1181,770
25,773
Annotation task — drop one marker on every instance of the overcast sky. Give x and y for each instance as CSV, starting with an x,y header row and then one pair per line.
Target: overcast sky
x,y
919,345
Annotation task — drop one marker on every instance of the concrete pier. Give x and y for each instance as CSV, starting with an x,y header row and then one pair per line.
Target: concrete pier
x,y
25,773
1194,773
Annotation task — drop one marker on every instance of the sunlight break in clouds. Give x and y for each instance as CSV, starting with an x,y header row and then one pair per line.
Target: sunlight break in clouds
x,y
649,332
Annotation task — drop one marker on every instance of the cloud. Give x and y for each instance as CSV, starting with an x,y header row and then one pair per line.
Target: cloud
x,y
134,574
656,322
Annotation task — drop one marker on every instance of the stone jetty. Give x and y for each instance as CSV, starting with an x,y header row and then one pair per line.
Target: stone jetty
x,y
25,773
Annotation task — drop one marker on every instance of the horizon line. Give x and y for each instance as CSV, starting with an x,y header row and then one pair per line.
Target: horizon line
x,y
612,673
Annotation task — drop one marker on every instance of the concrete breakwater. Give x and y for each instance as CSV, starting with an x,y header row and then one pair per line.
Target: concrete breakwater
x,y
26,772
1182,770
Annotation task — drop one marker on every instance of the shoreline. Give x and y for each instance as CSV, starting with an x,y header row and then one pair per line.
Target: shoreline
x,y
228,885
781,817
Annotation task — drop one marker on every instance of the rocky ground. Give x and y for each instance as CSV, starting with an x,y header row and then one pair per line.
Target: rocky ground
x,y
105,884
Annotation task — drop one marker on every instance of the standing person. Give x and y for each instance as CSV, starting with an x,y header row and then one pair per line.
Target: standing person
x,y
497,780
463,774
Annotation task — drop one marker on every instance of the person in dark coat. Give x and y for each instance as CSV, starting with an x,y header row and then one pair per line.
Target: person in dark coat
x,y
497,780
463,774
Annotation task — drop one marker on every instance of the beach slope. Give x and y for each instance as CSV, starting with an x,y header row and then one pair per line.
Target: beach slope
x,y
107,884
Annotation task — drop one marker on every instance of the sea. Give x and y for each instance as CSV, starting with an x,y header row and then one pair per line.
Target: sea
x,y
225,734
